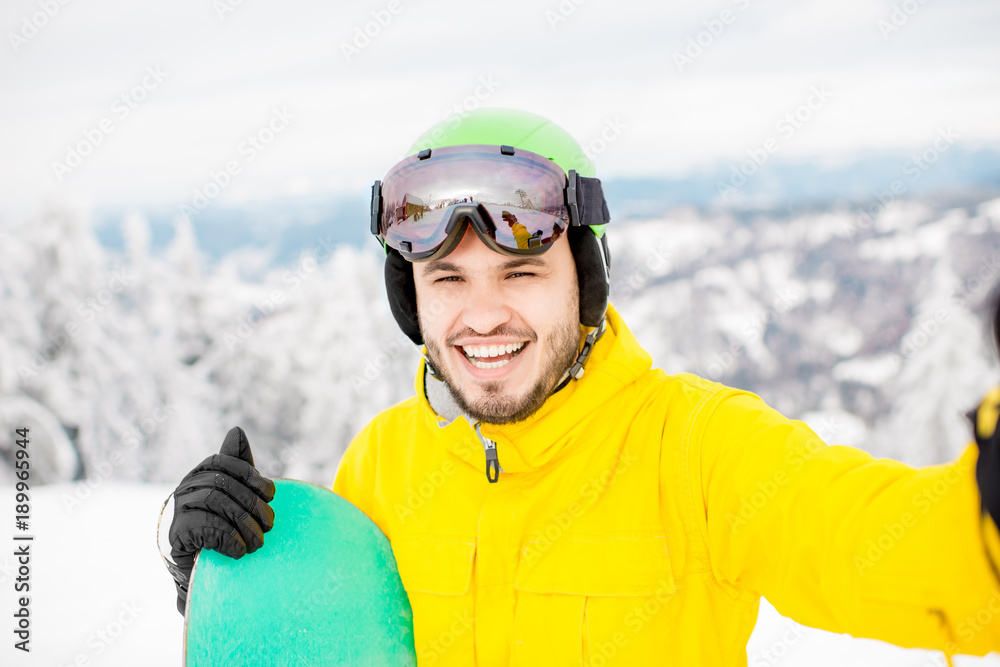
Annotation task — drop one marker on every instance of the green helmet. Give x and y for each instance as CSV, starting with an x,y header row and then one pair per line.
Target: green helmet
x,y
525,131
520,129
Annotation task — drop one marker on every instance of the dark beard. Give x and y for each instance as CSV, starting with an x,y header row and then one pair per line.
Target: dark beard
x,y
497,408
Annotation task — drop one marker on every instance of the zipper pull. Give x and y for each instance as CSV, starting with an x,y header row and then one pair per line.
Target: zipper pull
x,y
492,462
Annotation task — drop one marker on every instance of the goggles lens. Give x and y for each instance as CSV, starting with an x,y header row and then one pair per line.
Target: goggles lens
x,y
516,201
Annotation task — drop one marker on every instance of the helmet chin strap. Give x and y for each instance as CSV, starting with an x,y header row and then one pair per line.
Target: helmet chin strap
x,y
575,371
427,362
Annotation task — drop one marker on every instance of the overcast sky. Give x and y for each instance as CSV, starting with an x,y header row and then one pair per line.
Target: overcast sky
x,y
877,78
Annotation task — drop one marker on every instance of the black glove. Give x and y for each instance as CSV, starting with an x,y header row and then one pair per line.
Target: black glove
x,y
984,419
220,505
985,422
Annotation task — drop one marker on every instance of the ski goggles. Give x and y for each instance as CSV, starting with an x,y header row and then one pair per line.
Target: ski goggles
x,y
518,202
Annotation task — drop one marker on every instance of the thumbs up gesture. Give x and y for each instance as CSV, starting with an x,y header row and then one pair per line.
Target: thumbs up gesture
x,y
222,504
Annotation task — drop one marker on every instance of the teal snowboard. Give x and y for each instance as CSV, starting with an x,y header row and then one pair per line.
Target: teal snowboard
x,y
323,590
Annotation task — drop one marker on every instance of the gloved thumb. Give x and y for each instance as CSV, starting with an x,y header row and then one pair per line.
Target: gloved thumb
x,y
236,444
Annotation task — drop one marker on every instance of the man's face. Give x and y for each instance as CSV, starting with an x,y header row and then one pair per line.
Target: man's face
x,y
475,304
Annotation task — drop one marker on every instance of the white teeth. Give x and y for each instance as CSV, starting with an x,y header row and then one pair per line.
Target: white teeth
x,y
489,364
483,351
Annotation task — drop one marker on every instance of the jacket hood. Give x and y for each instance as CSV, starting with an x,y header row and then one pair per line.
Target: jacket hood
x,y
616,361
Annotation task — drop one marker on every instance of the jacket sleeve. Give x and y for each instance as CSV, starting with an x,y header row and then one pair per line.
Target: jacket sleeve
x,y
838,540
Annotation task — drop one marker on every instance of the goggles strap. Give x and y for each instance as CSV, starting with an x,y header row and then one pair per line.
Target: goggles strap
x,y
376,210
593,209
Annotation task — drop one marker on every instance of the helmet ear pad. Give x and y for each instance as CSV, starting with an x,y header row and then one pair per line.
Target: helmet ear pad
x,y
593,262
592,273
402,295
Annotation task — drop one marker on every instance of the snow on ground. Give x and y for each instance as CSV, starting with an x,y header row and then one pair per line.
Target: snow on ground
x,y
102,598
100,594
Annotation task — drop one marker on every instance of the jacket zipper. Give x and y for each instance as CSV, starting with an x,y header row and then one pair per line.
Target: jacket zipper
x,y
492,462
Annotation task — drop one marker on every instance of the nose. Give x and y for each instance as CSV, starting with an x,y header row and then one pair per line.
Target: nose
x,y
485,308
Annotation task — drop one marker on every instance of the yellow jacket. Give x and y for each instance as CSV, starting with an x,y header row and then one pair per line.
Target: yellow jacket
x,y
640,516
521,235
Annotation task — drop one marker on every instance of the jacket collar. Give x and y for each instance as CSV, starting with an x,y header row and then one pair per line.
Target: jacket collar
x,y
617,361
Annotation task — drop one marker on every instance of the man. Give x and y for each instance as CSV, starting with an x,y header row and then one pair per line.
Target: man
x,y
551,499
520,232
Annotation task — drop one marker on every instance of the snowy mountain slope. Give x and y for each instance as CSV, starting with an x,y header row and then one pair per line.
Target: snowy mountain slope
x,y
884,321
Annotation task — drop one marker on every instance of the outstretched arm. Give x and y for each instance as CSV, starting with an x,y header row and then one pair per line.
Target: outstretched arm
x,y
841,541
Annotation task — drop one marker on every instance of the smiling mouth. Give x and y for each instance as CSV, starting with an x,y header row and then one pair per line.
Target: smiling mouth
x,y
491,356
